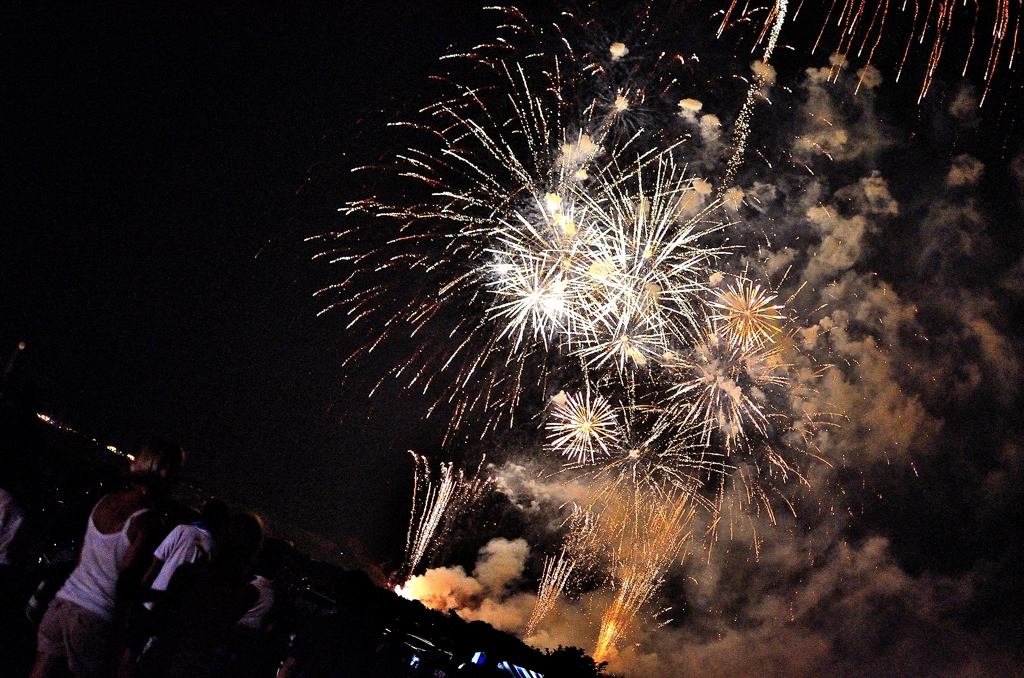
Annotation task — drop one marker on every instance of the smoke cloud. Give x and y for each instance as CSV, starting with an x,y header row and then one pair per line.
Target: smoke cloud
x,y
904,339
485,596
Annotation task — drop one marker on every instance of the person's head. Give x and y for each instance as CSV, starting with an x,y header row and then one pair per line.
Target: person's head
x,y
157,465
215,515
242,540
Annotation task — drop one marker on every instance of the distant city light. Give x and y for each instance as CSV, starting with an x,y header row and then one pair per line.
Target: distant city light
x,y
47,419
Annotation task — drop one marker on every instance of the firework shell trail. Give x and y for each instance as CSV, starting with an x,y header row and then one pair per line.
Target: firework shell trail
x,y
577,553
436,506
648,541
763,77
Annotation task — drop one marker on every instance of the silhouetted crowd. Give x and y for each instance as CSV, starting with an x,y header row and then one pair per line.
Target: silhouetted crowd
x,y
141,601
103,574
150,592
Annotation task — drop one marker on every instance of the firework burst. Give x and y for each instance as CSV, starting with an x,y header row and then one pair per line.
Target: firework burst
x,y
746,315
580,425
658,454
646,266
721,386
535,242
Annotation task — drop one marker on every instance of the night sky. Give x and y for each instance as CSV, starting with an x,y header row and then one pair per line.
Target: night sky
x,y
160,172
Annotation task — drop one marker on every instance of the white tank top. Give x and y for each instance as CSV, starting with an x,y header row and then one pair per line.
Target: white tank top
x,y
93,584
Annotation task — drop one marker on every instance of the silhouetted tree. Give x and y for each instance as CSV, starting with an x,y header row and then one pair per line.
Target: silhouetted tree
x,y
572,662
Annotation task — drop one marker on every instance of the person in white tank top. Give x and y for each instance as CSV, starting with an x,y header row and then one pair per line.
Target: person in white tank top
x,y
93,584
75,631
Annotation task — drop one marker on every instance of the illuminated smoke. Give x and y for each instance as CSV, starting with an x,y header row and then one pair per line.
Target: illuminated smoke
x,y
564,247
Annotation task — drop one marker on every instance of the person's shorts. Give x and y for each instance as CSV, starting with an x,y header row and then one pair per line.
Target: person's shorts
x,y
76,634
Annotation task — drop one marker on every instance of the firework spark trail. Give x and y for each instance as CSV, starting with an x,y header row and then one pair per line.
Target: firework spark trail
x,y
859,21
576,553
649,541
439,505
862,25
741,129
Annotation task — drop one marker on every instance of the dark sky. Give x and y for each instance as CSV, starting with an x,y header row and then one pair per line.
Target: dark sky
x,y
159,172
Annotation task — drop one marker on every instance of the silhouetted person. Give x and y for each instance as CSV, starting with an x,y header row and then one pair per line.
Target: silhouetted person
x,y
186,544
119,540
265,570
202,605
258,637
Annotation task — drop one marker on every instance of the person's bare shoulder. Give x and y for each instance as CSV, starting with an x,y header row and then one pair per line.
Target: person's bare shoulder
x,y
145,526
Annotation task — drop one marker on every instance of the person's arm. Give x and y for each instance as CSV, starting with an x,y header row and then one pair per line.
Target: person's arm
x,y
155,566
11,534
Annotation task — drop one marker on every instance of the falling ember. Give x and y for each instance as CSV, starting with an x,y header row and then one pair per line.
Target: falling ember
x,y
862,25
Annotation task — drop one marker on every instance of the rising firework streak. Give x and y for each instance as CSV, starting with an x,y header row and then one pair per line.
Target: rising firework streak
x,y
436,506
